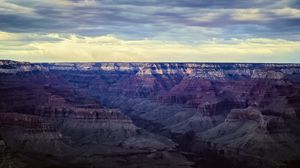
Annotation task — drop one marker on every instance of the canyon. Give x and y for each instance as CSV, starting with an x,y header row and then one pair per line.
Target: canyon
x,y
149,115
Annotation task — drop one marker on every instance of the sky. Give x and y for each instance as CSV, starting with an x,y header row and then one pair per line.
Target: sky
x,y
150,30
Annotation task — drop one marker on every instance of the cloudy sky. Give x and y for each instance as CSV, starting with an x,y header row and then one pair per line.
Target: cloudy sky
x,y
150,30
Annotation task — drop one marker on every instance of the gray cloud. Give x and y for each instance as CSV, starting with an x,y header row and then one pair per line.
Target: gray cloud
x,y
186,20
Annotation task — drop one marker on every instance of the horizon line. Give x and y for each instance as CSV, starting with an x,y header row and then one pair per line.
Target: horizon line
x,y
184,62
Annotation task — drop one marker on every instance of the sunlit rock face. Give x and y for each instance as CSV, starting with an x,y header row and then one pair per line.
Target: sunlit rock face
x,y
87,111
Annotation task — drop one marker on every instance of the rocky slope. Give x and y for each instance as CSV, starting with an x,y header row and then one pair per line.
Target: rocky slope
x,y
241,111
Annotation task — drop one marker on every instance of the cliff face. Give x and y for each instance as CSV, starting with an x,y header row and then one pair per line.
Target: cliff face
x,y
236,110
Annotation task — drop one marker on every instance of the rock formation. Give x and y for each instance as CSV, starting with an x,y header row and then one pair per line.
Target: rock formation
x,y
241,111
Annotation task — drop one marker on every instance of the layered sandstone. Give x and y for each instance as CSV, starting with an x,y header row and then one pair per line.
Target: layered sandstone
x,y
238,110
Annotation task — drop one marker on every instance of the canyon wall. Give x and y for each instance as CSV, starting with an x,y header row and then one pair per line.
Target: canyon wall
x,y
240,111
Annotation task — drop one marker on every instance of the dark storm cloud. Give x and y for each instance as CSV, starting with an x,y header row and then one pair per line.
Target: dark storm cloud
x,y
194,3
19,23
294,3
147,19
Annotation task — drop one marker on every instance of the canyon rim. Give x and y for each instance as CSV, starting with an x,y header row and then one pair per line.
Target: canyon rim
x,y
149,114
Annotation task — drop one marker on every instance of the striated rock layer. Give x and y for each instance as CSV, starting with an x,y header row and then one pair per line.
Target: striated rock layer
x,y
241,111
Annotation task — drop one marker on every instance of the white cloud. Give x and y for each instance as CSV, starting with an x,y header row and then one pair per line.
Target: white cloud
x,y
11,8
68,3
248,15
287,12
108,48
206,16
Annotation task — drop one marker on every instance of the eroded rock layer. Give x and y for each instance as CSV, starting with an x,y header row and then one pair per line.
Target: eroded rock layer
x,y
241,111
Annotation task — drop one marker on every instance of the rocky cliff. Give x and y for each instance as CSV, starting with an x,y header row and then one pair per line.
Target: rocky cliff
x,y
241,111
